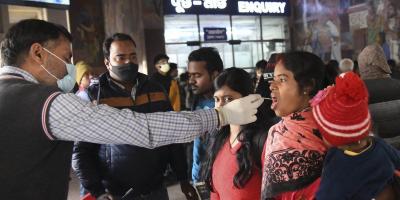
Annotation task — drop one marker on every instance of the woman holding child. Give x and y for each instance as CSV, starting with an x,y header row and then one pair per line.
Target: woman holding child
x,y
294,150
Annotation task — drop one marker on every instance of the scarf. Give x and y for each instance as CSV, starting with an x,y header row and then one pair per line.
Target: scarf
x,y
294,154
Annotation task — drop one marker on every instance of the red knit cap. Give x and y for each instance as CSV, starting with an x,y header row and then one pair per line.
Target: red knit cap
x,y
341,110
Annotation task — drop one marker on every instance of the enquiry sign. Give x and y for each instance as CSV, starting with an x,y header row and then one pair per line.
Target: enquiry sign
x,y
229,7
261,7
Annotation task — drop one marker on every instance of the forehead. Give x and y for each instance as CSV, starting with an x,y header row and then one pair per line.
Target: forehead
x,y
280,69
124,46
223,91
164,60
197,67
226,91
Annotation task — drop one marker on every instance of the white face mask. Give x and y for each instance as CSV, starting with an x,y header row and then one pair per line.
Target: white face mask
x,y
67,83
164,67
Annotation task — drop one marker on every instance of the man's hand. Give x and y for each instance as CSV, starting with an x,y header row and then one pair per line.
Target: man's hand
x,y
189,191
240,111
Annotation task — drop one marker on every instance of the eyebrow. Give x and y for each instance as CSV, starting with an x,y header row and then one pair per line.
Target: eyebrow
x,y
281,75
228,95
125,54
121,54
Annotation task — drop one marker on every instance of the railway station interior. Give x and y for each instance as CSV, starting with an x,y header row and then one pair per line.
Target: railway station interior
x,y
182,56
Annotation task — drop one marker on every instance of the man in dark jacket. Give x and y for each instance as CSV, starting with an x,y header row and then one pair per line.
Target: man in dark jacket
x,y
111,170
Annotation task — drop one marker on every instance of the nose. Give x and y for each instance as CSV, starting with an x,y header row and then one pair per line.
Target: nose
x,y
129,61
218,104
191,80
221,103
272,85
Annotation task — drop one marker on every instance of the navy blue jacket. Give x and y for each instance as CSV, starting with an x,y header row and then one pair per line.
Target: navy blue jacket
x,y
118,168
358,177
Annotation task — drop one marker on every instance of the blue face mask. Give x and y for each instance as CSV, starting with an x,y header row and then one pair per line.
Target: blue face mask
x,y
67,83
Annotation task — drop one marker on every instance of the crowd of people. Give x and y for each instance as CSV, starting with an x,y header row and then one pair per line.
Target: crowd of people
x,y
311,130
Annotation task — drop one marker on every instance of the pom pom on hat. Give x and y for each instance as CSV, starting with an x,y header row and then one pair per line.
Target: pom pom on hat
x,y
341,110
350,88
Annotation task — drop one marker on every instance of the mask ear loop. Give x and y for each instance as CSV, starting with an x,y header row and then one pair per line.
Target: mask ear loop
x,y
55,56
49,72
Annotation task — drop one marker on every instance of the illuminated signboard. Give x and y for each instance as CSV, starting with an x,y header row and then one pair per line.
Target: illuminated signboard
x,y
61,4
214,34
229,7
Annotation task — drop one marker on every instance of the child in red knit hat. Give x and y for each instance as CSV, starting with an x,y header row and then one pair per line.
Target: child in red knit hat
x,y
358,166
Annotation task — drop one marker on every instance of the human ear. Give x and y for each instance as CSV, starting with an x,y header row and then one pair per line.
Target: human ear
x,y
107,63
36,53
309,87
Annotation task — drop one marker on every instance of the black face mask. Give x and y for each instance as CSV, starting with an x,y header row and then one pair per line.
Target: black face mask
x,y
126,72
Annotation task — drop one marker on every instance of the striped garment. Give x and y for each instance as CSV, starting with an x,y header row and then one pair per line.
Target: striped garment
x,y
72,119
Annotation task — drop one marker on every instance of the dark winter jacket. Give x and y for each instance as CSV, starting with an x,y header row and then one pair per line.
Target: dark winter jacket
x,y
118,168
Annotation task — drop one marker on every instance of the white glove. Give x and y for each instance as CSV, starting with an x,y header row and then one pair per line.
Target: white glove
x,y
105,196
240,111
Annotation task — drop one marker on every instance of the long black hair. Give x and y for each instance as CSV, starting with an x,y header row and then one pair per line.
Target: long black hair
x,y
240,81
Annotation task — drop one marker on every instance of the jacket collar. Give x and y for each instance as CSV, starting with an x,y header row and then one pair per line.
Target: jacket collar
x,y
106,79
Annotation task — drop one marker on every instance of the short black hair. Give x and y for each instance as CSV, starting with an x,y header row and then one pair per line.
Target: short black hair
x,y
159,57
307,68
209,55
20,37
184,76
115,37
261,64
173,66
331,71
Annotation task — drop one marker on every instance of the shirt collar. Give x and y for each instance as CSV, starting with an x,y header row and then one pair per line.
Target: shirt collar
x,y
15,70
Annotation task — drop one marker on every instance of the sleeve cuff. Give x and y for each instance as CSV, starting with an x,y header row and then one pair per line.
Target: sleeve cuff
x,y
45,115
209,119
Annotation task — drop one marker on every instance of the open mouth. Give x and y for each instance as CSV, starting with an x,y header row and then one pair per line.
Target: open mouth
x,y
274,101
